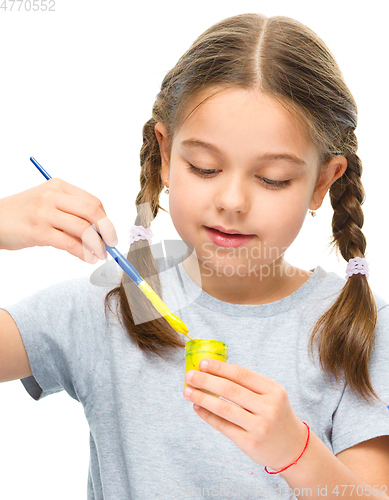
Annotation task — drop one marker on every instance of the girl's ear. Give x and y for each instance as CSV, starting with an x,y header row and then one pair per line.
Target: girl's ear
x,y
164,149
335,169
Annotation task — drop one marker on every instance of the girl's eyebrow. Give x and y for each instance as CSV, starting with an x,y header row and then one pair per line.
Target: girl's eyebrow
x,y
267,156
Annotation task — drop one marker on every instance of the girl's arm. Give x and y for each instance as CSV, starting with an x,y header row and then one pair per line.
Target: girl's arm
x,y
262,423
14,363
319,473
56,214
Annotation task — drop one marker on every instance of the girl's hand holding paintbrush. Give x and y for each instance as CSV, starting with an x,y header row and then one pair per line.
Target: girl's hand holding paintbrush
x,y
58,214
64,216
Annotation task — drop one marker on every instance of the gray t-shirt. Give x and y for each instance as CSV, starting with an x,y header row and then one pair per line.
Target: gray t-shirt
x,y
146,441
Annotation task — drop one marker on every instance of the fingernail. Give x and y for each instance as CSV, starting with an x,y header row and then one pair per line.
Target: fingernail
x,y
188,391
204,364
115,242
93,259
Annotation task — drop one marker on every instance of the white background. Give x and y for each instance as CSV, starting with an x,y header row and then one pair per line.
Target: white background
x,y
76,87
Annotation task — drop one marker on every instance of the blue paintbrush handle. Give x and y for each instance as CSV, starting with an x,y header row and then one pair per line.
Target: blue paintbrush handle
x,y
128,268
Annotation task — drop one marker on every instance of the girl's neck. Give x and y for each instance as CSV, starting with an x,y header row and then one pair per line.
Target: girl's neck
x,y
283,281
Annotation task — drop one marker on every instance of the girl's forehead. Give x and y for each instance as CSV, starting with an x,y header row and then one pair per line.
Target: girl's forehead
x,y
241,109
232,96
236,118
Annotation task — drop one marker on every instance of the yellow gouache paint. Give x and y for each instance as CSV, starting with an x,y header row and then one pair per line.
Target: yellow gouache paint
x,y
198,349
173,320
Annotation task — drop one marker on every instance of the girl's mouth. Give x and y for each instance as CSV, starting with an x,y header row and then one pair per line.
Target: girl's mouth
x,y
228,240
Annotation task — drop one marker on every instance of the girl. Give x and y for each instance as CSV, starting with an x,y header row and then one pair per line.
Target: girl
x,y
251,128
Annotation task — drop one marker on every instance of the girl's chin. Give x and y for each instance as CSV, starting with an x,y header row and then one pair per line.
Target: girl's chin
x,y
227,267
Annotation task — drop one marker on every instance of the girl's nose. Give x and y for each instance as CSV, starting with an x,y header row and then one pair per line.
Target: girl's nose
x,y
232,196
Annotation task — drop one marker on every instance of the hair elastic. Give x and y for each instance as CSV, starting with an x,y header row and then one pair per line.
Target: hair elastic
x,y
140,233
357,265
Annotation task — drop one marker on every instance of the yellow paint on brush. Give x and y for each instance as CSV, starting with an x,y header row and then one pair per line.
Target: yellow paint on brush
x,y
173,320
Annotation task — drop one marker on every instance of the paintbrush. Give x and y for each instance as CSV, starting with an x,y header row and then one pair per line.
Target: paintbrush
x,y
130,270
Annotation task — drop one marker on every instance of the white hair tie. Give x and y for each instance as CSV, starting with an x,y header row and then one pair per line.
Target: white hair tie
x,y
357,265
140,233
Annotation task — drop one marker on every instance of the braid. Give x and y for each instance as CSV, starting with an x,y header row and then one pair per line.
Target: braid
x,y
347,196
151,332
150,177
347,328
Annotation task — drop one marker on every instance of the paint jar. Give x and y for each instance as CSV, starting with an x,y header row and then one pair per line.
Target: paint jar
x,y
198,349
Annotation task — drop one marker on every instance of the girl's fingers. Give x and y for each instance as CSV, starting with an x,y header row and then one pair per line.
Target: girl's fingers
x,y
90,209
64,241
74,191
236,392
91,239
222,415
80,231
107,231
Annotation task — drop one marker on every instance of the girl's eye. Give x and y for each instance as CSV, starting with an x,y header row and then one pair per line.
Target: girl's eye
x,y
201,172
269,183
275,184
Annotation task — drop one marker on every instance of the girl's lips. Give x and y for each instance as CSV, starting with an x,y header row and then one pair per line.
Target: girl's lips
x,y
228,240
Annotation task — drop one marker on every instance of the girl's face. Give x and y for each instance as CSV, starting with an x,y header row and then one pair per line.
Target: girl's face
x,y
243,139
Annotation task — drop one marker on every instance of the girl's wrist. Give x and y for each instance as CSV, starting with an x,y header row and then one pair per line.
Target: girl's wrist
x,y
297,455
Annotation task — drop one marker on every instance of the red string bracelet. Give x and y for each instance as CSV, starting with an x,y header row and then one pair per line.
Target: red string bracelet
x,y
295,462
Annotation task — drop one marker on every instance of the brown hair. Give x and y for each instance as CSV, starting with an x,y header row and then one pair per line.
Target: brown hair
x,y
285,59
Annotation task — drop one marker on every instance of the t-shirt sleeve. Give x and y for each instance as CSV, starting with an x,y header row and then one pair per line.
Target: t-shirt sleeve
x,y
62,331
355,420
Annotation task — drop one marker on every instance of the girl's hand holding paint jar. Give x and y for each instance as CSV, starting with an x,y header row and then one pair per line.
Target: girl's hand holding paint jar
x,y
257,415
198,349
56,214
